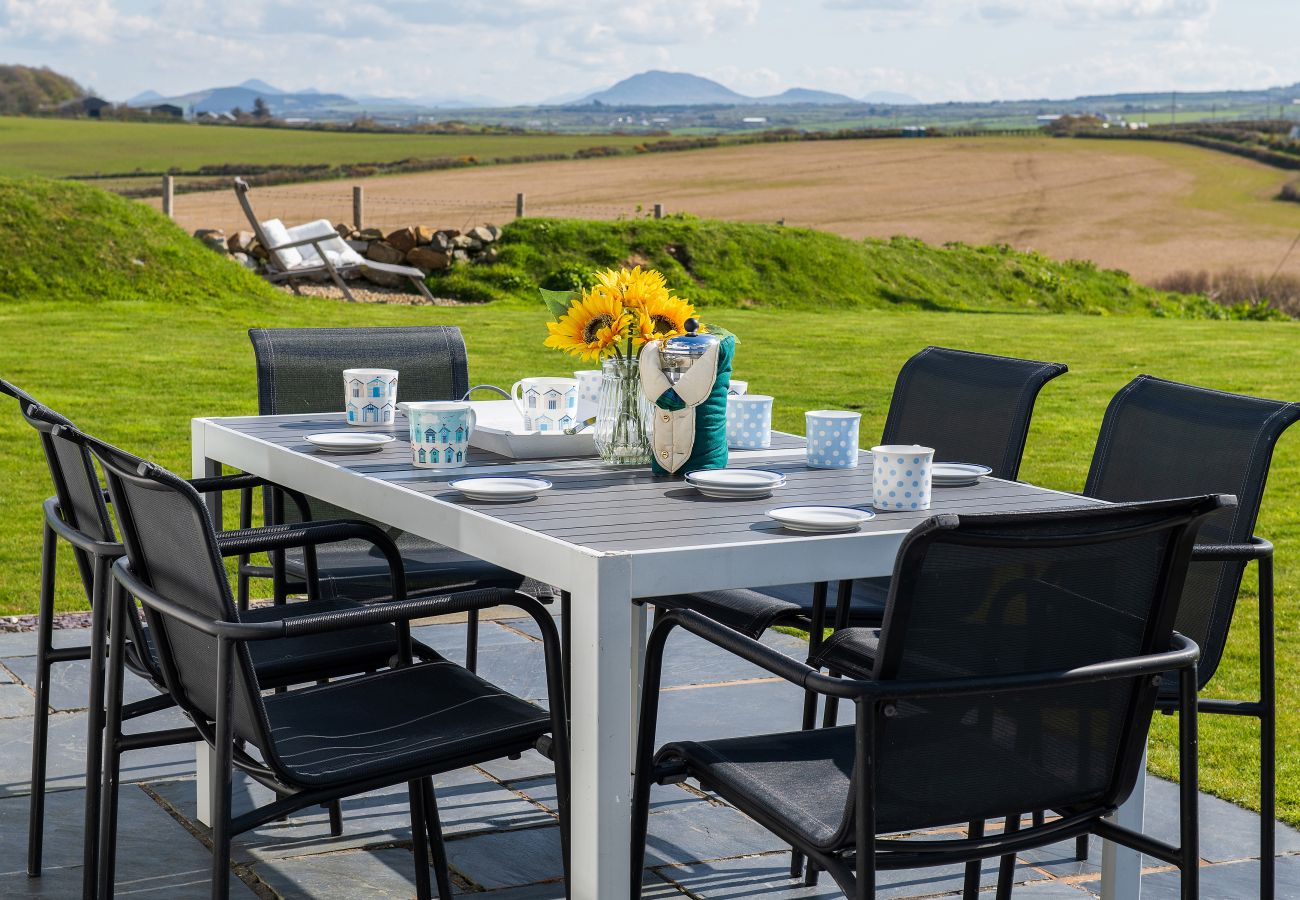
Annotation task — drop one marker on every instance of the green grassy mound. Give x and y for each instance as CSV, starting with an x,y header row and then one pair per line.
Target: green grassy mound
x,y
68,242
735,264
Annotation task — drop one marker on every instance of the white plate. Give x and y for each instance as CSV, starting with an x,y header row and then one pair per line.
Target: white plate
x,y
820,519
735,479
957,474
500,488
349,441
720,494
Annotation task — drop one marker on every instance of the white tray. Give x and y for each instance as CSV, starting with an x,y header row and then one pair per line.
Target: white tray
x,y
500,430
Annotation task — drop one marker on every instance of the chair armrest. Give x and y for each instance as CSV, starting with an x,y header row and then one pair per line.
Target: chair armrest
x,y
1256,548
245,481
54,520
399,611
302,534
302,242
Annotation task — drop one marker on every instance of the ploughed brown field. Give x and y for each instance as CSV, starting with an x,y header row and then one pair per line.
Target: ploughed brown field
x,y
1150,208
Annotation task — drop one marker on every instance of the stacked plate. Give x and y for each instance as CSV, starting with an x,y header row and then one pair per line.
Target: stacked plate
x,y
821,519
735,484
956,474
349,441
500,488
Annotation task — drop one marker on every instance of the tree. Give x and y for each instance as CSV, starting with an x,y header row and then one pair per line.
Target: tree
x,y
260,109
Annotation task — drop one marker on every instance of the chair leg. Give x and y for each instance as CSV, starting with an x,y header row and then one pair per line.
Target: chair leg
x,y
1081,847
1267,735
810,697
221,771
471,641
99,619
433,828
971,886
843,603
422,288
1007,864
336,818
1189,787
566,645
111,779
419,841
41,719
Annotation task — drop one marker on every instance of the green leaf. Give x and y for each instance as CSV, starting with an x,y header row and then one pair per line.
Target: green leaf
x,y
557,302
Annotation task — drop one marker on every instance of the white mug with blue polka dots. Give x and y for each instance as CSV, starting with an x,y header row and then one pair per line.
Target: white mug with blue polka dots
x,y
749,422
832,437
901,478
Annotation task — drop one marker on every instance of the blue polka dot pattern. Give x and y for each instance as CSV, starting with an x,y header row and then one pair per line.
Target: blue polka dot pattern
x,y
901,481
749,422
832,440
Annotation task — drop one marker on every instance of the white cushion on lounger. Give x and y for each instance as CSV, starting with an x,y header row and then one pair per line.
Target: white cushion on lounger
x,y
338,252
277,234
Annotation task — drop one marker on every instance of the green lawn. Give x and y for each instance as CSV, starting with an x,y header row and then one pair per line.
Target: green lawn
x,y
60,147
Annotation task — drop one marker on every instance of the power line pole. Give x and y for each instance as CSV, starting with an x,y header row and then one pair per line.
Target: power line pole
x,y
1173,108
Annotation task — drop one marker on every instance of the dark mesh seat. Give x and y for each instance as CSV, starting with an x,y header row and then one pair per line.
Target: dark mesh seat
x,y
300,370
386,729
970,407
975,703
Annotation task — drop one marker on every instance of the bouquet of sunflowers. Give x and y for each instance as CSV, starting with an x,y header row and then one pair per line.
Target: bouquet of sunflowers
x,y
617,315
610,322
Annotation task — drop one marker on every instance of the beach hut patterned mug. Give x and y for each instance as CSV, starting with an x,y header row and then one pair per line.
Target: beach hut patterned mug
x,y
832,437
547,404
901,477
440,433
370,396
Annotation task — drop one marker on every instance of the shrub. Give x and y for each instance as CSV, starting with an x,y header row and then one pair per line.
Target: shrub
x,y
1248,294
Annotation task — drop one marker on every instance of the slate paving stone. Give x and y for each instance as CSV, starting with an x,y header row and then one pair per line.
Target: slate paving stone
x,y
70,682
467,803
503,859
67,752
23,643
1230,881
1228,833
768,876
156,856
704,713
5,676
16,701
529,765
662,796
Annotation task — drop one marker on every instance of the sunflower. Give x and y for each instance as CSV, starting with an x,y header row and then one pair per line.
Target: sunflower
x,y
592,326
662,317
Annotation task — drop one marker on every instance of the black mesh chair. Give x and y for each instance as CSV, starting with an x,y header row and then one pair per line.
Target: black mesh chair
x,y
970,407
1164,439
79,515
1018,668
300,370
316,744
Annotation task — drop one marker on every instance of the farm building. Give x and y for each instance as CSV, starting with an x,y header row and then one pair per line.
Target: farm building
x,y
85,106
164,110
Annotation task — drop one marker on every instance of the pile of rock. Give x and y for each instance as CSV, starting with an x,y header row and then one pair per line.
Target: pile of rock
x,y
426,248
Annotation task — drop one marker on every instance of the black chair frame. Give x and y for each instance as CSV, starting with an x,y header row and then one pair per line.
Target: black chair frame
x,y
855,872
426,828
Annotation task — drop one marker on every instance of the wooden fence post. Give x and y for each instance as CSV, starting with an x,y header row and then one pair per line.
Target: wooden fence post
x,y
659,210
167,196
358,206
519,206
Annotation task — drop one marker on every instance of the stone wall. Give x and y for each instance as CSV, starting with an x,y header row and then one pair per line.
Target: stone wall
x,y
424,247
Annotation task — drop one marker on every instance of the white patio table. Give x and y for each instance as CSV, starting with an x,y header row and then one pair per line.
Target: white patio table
x,y
606,535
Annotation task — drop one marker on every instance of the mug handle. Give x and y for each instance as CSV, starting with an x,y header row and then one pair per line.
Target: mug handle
x,y
473,420
517,396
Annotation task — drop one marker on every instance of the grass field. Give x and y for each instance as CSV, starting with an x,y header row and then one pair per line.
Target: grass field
x,y
60,147
133,359
1147,207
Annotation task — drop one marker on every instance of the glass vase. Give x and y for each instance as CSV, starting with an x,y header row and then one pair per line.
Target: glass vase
x,y
622,415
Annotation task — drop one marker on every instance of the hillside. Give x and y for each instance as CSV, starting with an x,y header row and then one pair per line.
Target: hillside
x,y
657,88
25,90
69,243
735,264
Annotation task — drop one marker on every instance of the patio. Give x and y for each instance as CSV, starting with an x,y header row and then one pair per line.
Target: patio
x,y
501,828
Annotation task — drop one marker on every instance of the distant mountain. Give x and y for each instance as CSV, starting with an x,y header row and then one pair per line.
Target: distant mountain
x,y
261,87
891,97
806,95
656,88
470,101
146,98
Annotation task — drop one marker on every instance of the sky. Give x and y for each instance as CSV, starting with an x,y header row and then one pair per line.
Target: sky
x,y
529,51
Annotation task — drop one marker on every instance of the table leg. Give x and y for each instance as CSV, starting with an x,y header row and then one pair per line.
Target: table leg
x,y
1121,868
202,467
608,640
